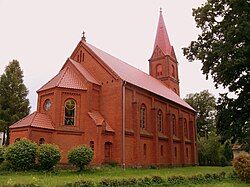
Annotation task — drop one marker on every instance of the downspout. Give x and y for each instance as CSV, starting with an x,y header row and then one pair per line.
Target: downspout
x,y
123,122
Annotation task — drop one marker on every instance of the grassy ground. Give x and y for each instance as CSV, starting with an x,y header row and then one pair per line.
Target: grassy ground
x,y
65,176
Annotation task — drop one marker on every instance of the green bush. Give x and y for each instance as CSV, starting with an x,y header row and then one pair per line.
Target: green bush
x,y
241,164
48,156
2,150
80,156
21,155
81,183
152,181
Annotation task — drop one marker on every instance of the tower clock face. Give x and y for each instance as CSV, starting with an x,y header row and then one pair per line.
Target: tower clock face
x,y
47,105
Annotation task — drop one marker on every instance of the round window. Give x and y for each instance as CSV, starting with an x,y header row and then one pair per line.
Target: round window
x,y
47,104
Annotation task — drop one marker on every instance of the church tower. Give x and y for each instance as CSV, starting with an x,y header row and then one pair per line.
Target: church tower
x,y
163,64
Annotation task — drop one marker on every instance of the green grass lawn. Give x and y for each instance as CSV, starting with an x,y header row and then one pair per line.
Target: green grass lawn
x,y
65,176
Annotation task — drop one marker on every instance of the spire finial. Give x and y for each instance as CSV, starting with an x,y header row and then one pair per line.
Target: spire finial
x,y
83,36
160,10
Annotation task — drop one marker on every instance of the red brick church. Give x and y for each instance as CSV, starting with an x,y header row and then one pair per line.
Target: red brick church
x,y
125,115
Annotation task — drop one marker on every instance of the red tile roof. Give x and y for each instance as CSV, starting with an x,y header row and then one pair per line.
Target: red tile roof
x,y
84,72
162,39
137,77
66,78
99,120
35,119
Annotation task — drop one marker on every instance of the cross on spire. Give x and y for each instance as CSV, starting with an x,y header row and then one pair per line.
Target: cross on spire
x,y
83,36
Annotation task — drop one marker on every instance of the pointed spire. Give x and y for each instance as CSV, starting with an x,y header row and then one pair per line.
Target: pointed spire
x,y
162,39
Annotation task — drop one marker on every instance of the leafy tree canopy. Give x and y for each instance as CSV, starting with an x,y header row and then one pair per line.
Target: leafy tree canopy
x,y
14,104
223,48
204,104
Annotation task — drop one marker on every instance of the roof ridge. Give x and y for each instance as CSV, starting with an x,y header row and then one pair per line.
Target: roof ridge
x,y
62,76
73,62
105,64
131,66
33,118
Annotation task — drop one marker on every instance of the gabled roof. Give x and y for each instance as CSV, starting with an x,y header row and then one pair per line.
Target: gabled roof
x,y
162,39
137,77
35,119
66,78
100,121
84,72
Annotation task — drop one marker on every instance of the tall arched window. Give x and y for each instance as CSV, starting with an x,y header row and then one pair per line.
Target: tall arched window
x,y
174,125
173,71
69,112
160,121
143,116
159,70
185,128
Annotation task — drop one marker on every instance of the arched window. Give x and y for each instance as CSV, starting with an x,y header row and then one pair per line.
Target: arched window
x,y
144,149
41,141
92,145
69,112
159,70
185,128
174,125
143,116
173,71
160,121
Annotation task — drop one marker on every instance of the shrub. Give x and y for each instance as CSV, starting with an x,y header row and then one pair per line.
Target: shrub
x,y
2,150
80,156
81,183
48,156
21,155
241,164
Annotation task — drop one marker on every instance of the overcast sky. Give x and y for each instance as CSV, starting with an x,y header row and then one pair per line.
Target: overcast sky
x,y
41,35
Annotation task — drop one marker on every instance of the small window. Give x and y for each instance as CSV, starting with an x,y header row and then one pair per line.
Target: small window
x,y
69,109
173,71
92,145
162,151
160,121
17,139
159,70
143,116
41,141
144,149
174,125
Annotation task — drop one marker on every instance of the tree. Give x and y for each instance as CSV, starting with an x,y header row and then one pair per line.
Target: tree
x,y
14,104
223,48
204,103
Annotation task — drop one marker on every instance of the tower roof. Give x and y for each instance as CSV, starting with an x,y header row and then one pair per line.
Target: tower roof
x,y
162,39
